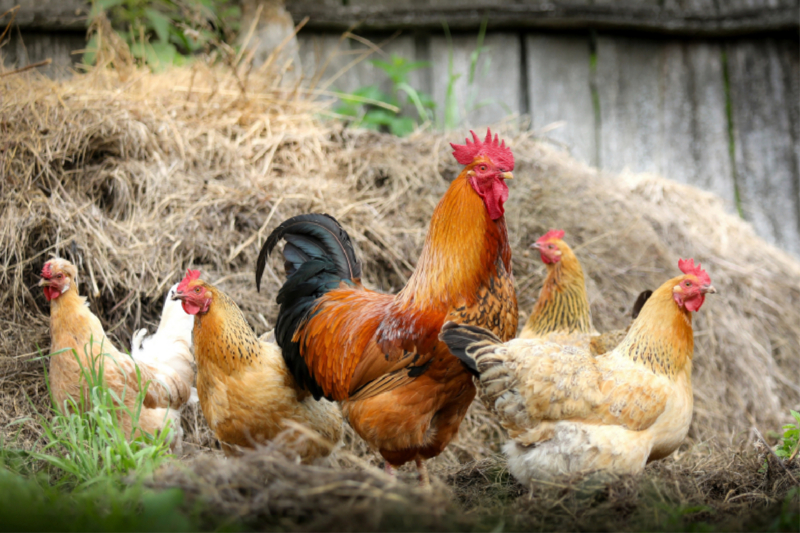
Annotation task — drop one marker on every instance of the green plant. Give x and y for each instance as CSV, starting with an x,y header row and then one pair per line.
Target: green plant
x,y
84,442
790,441
87,473
160,33
452,118
371,108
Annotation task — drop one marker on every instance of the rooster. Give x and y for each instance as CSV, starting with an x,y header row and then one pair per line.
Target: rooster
x,y
379,354
567,411
247,394
562,313
171,343
75,331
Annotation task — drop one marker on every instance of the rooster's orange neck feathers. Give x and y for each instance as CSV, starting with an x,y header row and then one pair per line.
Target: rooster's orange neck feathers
x,y
661,337
463,248
562,306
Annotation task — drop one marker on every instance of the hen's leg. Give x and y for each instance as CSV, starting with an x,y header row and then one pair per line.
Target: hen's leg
x,y
422,468
388,468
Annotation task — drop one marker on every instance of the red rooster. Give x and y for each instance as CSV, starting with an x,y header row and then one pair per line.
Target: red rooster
x,y
379,354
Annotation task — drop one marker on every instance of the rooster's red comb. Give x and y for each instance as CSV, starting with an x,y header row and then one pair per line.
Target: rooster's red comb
x,y
191,275
687,266
494,149
551,235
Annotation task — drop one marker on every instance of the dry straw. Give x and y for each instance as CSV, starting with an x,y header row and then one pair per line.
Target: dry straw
x,y
136,176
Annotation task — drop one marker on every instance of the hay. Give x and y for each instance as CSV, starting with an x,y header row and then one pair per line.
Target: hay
x,y
135,176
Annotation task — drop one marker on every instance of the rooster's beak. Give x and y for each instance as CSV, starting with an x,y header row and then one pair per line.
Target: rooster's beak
x,y
708,289
507,175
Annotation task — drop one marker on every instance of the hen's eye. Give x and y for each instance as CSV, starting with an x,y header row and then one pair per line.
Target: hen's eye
x,y
688,283
483,168
550,246
60,276
197,290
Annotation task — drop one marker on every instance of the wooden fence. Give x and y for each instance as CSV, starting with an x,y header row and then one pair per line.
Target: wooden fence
x,y
700,91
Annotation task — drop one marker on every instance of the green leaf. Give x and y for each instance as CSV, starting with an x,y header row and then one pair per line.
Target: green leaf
x,y
402,126
378,117
161,55
160,24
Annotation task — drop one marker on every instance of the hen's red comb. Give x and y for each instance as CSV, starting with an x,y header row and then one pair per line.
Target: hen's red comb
x,y
191,275
46,271
494,149
687,266
552,234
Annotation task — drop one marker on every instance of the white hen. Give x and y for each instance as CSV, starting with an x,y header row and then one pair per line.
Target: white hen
x,y
171,344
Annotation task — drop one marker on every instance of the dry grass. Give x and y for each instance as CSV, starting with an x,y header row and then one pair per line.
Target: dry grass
x,y
136,176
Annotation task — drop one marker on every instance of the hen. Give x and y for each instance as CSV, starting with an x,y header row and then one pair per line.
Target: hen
x,y
567,411
379,354
171,344
247,394
75,330
562,314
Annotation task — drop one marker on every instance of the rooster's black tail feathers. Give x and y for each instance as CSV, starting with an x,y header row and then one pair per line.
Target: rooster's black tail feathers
x,y
465,341
318,256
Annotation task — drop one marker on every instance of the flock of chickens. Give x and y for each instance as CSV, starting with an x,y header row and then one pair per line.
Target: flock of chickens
x,y
403,369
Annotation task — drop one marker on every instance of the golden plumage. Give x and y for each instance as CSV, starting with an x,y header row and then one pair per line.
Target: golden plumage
x,y
568,411
247,393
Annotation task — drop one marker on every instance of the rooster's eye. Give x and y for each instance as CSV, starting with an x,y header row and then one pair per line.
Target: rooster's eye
x,y
688,283
483,168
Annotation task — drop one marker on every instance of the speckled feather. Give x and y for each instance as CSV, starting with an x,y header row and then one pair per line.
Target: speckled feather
x,y
247,393
380,355
74,327
566,410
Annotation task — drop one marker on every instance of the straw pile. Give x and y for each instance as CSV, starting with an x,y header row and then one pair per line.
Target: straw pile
x,y
136,176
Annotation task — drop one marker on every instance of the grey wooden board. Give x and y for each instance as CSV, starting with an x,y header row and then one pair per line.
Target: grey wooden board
x,y
662,110
694,138
628,93
496,88
689,17
764,79
559,90
48,14
325,56
31,47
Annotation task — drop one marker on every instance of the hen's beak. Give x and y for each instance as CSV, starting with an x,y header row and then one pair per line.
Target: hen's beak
x,y
507,175
708,289
536,246
44,282
178,295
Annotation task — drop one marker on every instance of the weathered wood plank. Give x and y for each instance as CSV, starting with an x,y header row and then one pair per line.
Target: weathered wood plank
x,y
688,17
496,88
559,89
628,93
764,81
325,59
32,47
49,14
662,109
694,139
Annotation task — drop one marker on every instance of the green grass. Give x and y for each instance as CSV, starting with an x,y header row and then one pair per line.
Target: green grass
x,y
85,473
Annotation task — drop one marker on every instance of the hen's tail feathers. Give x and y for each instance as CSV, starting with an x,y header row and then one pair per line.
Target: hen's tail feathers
x,y
640,301
318,257
465,342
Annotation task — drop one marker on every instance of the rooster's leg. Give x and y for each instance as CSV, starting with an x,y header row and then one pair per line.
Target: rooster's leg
x,y
388,468
422,468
